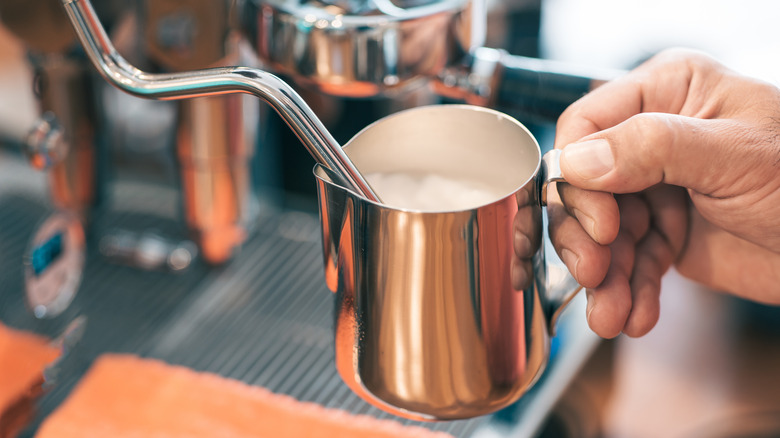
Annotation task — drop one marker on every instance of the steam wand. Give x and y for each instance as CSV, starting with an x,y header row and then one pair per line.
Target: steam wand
x,y
209,82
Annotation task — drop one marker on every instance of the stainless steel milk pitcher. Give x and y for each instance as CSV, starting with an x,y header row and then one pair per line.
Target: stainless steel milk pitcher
x,y
442,314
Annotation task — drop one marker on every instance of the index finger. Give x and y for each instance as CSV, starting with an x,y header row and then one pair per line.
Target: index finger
x,y
661,84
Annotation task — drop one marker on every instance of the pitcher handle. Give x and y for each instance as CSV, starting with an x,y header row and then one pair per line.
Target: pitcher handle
x,y
550,171
555,282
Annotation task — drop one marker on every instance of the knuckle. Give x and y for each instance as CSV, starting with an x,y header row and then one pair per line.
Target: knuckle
x,y
637,146
578,114
684,57
652,133
649,127
639,324
572,112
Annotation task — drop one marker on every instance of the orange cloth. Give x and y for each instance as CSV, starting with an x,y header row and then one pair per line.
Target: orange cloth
x,y
23,356
126,396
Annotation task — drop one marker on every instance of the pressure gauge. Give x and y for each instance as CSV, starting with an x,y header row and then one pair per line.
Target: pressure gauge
x,y
53,265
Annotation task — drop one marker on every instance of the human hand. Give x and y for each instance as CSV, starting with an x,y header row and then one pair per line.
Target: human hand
x,y
691,152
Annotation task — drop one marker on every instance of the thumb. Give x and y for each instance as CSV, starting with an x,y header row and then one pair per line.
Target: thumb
x,y
651,148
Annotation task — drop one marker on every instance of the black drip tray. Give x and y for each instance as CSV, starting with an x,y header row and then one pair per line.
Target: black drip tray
x,y
265,318
125,308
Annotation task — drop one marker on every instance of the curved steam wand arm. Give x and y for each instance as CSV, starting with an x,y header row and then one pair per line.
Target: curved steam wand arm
x,y
277,93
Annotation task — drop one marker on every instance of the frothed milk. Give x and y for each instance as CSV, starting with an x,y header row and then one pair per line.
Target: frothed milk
x,y
431,192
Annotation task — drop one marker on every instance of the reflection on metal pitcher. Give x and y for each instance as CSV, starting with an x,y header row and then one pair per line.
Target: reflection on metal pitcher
x,y
440,314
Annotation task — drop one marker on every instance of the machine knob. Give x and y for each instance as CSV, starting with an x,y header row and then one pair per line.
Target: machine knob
x,y
45,145
148,250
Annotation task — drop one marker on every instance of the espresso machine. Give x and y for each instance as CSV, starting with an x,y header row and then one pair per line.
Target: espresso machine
x,y
240,258
376,57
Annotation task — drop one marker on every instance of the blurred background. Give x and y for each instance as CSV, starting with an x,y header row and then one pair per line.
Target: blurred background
x,y
207,253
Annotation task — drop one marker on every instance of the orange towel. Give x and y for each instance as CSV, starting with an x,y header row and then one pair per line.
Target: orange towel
x,y
23,356
125,396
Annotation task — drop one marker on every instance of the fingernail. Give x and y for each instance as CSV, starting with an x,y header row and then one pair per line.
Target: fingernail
x,y
589,159
590,306
587,222
570,259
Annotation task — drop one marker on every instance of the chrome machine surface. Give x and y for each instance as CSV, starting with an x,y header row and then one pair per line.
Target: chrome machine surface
x,y
402,53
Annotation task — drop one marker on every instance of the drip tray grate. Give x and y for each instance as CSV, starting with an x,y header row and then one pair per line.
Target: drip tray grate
x,y
265,319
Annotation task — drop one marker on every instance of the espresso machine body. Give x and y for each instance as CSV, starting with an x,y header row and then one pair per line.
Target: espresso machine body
x,y
363,49
352,62
358,61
